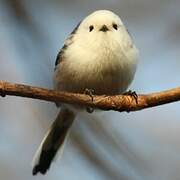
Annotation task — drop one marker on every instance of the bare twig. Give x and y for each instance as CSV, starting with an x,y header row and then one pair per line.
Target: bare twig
x,y
118,102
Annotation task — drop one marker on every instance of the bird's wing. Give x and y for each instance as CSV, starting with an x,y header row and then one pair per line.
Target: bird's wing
x,y
67,43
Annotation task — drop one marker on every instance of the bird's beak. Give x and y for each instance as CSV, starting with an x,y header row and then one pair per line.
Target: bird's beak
x,y
104,28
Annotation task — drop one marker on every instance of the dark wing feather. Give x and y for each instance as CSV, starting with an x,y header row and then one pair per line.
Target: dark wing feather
x,y
68,42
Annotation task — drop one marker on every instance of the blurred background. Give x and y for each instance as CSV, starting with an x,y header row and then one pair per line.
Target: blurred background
x,y
141,145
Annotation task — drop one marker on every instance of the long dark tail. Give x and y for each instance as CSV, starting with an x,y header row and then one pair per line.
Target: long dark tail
x,y
53,141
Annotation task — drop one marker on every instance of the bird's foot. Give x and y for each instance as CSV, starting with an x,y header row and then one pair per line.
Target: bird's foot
x,y
133,94
90,93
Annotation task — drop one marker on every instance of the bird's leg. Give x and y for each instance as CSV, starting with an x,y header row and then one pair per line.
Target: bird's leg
x,y
90,93
133,94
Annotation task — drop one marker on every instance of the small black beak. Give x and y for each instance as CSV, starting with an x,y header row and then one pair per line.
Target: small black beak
x,y
104,28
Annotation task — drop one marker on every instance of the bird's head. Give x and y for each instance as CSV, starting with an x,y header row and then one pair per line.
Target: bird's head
x,y
101,28
101,21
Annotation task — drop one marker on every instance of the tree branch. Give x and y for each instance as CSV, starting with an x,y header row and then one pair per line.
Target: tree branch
x,y
118,102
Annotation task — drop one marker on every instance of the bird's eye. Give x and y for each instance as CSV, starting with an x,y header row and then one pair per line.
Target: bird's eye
x,y
115,26
91,28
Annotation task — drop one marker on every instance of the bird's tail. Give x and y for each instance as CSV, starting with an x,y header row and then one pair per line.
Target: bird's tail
x,y
53,141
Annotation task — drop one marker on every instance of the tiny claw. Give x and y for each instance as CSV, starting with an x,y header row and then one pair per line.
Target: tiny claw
x,y
133,94
90,93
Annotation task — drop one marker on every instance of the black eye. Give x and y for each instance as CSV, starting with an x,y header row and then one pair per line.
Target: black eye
x,y
91,28
115,26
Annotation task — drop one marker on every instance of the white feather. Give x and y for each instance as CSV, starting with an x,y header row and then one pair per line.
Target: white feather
x,y
103,61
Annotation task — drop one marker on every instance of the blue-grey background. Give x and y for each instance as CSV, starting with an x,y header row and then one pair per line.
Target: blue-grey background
x,y
142,145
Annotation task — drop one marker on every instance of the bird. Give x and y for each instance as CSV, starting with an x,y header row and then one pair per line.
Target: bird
x,y
98,55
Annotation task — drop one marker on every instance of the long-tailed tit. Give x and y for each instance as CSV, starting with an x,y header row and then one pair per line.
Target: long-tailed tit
x,y
99,54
